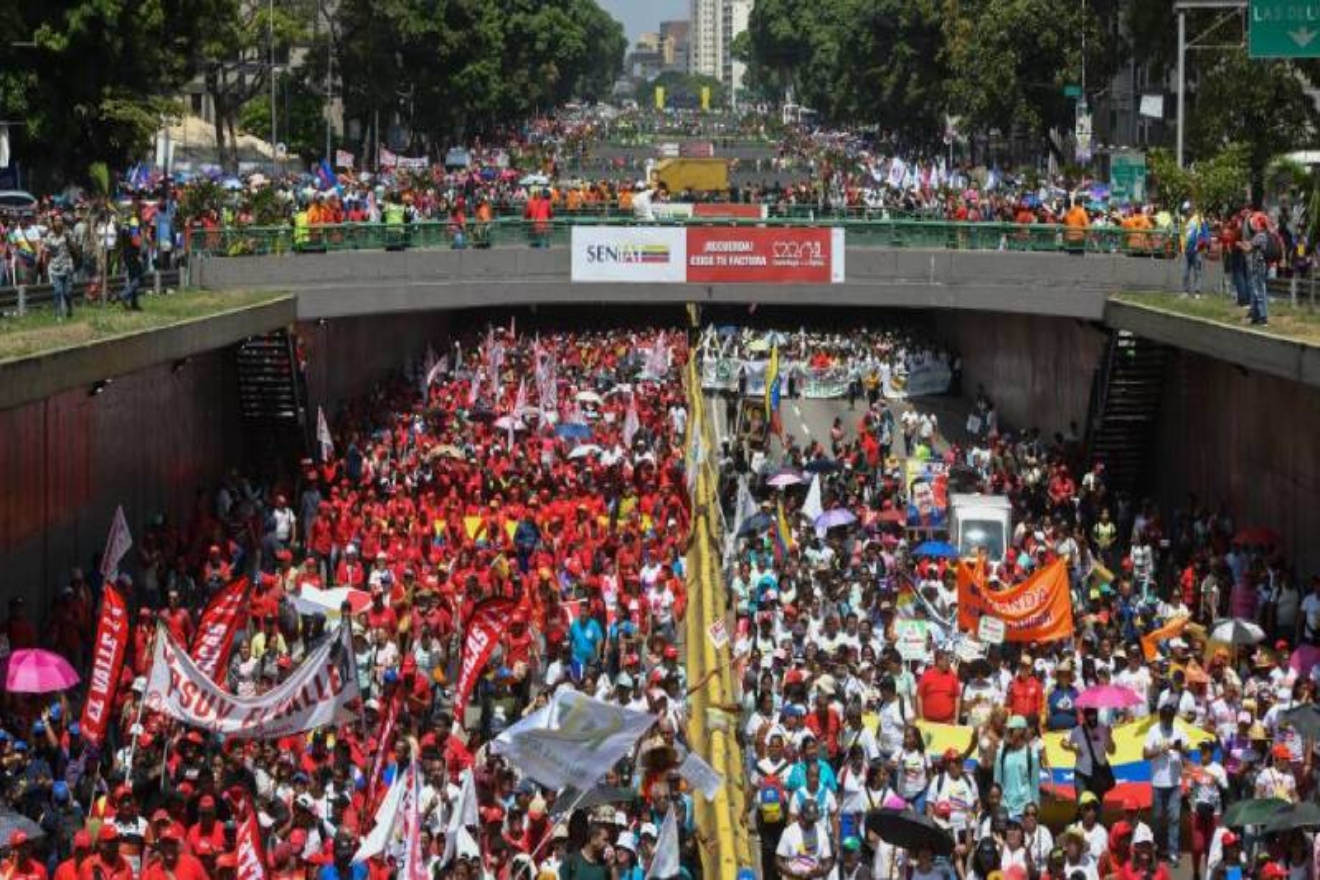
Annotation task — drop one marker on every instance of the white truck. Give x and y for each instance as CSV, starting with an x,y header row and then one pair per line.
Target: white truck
x,y
980,521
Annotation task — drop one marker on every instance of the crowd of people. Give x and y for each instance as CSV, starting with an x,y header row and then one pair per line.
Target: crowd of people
x,y
566,494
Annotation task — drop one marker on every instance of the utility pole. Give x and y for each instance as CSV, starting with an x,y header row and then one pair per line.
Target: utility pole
x,y
270,39
1182,7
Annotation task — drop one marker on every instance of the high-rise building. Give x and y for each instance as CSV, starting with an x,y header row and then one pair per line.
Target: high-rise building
x,y
736,15
715,24
676,32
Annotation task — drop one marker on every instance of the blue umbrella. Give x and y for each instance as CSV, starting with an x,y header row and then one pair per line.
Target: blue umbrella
x,y
937,549
754,525
573,431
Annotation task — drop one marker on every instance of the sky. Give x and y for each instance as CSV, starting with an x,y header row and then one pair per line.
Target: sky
x,y
639,16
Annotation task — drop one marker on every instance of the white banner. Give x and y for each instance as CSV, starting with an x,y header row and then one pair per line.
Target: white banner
x,y
638,254
316,694
573,741
117,543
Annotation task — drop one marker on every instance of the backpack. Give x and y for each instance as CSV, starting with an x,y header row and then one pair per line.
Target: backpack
x,y
772,799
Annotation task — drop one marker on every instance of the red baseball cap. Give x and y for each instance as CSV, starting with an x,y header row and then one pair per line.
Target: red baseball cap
x,y
18,838
108,833
82,840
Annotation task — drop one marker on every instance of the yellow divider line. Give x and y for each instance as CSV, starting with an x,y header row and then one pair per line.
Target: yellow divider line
x,y
714,732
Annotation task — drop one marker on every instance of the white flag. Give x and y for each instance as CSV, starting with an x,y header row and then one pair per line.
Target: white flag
x,y
323,435
520,401
897,171
573,741
116,545
811,508
474,390
387,817
704,778
439,367
630,422
665,863
414,860
464,816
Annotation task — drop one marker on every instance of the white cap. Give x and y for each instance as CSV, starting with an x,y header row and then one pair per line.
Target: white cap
x,y
140,684
624,680
627,841
305,801
649,829
1143,834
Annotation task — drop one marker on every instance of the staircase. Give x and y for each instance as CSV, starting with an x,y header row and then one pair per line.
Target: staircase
x,y
1125,405
271,401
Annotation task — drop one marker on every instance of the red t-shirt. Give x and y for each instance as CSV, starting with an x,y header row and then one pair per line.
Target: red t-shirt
x,y
938,691
1025,697
186,868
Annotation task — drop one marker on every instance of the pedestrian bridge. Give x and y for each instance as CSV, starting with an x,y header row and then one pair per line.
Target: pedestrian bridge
x,y
361,270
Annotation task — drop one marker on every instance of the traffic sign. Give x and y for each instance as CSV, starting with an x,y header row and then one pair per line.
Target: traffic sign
x,y
1127,177
1284,29
1072,91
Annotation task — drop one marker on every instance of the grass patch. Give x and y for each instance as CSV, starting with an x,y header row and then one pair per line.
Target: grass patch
x,y
1295,324
39,331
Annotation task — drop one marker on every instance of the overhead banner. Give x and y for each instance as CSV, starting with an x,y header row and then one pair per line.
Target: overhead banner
x,y
224,615
632,254
315,695
708,254
1037,610
480,636
780,255
107,660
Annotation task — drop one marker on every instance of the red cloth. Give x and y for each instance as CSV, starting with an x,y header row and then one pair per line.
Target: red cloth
x,y
939,692
1025,698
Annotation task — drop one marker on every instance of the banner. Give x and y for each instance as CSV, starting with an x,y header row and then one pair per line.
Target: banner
x,y
928,494
480,636
635,254
107,661
225,614
248,849
573,741
734,255
323,436
384,746
722,209
116,545
1037,610
343,159
315,695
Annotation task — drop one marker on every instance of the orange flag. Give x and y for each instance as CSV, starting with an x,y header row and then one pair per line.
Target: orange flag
x,y
1150,641
1037,610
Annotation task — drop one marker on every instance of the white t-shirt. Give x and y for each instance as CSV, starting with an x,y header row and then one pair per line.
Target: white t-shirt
x,y
1137,680
806,849
1166,768
1100,738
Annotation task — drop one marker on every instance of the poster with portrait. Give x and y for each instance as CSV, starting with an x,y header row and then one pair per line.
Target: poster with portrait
x,y
928,494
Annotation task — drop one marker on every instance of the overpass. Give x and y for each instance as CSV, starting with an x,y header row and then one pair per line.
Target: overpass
x,y
980,267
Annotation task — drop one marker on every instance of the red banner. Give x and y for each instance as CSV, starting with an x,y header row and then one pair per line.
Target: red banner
x,y
480,636
1037,610
107,661
383,746
248,848
718,255
224,614
724,209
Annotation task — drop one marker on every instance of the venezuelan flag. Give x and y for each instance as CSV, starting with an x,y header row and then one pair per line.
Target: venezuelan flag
x,y
783,535
772,388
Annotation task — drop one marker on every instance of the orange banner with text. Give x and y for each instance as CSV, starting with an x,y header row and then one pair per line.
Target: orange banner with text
x,y
1037,610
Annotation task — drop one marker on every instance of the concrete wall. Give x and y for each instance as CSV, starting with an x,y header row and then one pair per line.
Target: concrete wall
x,y
371,282
1245,438
148,442
1037,369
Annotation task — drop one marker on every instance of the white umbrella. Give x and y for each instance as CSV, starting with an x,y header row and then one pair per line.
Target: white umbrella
x,y
506,422
584,450
588,397
1235,631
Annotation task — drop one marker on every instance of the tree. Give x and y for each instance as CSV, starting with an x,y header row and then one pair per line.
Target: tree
x,y
299,115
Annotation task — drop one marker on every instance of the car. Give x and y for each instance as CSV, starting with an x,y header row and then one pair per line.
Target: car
x,y
16,201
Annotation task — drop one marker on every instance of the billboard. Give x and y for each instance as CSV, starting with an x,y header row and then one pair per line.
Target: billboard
x,y
783,255
629,254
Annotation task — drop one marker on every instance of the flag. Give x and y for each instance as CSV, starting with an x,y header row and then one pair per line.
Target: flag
x,y
116,545
481,635
386,159
811,508
574,740
464,816
414,861
248,848
384,822
474,390
665,861
437,369
744,509
513,326
224,616
630,422
897,171
520,401
323,436
772,391
783,535
107,661
325,175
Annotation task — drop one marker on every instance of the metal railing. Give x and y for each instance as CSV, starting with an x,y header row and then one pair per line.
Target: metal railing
x,y
508,232
19,300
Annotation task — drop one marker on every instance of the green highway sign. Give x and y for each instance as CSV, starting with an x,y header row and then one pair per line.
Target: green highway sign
x,y
1127,177
1072,91
1284,29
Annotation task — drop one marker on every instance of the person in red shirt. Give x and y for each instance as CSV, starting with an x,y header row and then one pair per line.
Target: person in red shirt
x,y
824,721
20,864
1025,695
939,693
178,622
173,863
21,632
206,827
379,615
107,863
82,849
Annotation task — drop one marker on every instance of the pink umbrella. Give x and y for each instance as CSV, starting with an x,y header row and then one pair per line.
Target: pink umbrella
x,y
1108,696
1304,657
34,671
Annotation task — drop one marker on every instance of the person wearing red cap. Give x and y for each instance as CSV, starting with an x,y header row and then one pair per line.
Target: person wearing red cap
x,y
20,865
1277,780
82,849
206,827
130,826
173,863
106,863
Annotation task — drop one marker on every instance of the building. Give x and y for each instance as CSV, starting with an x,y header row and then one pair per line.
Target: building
x,y
715,24
735,17
659,52
677,33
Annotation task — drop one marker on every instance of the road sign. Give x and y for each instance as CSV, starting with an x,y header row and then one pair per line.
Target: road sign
x,y
1127,177
1072,91
1284,29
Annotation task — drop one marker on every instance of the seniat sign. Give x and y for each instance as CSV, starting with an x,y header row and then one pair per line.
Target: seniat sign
x,y
708,255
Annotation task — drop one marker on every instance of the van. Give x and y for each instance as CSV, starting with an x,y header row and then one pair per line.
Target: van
x,y
980,521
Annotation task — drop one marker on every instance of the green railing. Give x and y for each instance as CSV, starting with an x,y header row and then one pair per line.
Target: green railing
x,y
508,232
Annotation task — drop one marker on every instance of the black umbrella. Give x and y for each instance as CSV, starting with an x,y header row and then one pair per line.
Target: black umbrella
x,y
754,525
1305,719
600,794
1293,816
1253,811
11,822
910,831
821,466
